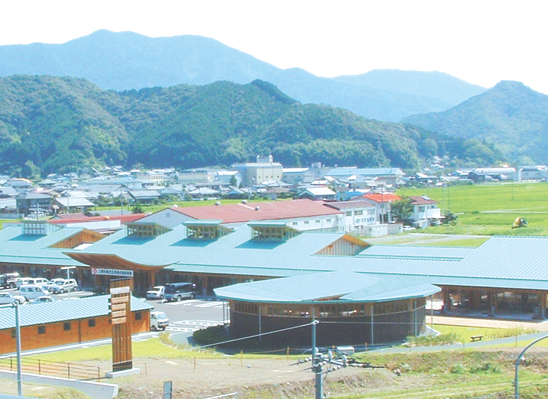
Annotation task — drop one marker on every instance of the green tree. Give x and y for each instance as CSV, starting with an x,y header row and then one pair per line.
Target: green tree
x,y
401,209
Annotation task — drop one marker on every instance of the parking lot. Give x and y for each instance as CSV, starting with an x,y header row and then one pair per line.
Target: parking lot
x,y
191,315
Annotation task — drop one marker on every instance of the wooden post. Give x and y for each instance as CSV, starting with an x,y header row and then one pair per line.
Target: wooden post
x,y
120,303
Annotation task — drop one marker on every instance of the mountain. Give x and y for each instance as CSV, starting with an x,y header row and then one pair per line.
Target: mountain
x,y
58,124
126,60
511,116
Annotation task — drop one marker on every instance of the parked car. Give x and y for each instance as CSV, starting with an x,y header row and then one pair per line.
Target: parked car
x,y
64,286
179,291
32,291
42,299
21,281
8,280
39,281
158,321
409,228
7,298
156,293
52,282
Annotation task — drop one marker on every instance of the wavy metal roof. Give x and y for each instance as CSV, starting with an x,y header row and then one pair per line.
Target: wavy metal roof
x,y
17,247
328,288
63,310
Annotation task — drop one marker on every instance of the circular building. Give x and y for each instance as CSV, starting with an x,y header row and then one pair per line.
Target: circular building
x,y
352,309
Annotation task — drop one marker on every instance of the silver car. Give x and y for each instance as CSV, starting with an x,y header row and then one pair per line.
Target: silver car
x,y
7,298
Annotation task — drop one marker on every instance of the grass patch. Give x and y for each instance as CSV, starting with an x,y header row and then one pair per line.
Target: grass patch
x,y
467,242
490,209
157,347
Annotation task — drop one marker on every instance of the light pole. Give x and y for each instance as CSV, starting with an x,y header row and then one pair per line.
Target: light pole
x,y
516,383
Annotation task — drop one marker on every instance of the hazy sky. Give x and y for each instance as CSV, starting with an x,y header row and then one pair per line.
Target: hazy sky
x,y
480,41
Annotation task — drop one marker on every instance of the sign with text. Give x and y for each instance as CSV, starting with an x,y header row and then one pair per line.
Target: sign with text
x,y
111,272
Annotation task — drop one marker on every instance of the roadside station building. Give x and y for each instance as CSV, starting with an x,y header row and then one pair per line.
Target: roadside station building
x,y
504,275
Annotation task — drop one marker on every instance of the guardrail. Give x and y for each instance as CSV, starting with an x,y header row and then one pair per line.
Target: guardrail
x,y
45,367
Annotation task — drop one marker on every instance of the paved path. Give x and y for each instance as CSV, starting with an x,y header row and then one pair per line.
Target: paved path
x,y
489,322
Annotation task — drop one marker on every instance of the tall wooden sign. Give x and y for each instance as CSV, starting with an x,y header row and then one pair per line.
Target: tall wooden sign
x,y
120,311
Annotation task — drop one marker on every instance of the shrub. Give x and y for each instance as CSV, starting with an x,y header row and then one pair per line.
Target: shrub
x,y
430,340
210,335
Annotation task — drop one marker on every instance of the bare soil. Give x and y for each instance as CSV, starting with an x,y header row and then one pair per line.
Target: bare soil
x,y
255,378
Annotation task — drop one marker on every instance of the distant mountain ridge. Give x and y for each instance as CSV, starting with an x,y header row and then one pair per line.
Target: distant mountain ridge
x,y
59,124
510,115
126,60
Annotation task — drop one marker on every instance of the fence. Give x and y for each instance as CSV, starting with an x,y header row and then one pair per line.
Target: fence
x,y
44,367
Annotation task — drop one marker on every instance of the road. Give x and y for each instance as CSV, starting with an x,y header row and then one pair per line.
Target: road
x,y
185,317
191,315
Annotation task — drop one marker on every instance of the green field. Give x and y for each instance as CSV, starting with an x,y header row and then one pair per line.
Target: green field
x,y
490,209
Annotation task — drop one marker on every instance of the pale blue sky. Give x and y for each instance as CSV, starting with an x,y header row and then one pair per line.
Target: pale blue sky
x,y
480,41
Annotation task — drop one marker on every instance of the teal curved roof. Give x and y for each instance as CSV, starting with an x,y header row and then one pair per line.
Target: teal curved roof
x,y
334,287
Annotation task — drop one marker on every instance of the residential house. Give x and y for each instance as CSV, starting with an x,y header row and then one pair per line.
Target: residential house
x,y
382,202
425,211
318,193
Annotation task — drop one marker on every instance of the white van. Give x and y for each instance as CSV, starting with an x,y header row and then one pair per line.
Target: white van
x,y
32,291
158,321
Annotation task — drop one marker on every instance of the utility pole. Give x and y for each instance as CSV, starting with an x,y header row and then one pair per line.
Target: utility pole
x,y
18,345
316,365
335,360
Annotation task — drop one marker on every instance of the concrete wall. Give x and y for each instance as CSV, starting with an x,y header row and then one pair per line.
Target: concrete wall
x,y
94,390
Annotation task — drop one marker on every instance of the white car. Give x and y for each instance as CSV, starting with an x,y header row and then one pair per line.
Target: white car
x,y
42,299
156,293
158,321
22,281
65,286
7,298
31,291
408,228
53,282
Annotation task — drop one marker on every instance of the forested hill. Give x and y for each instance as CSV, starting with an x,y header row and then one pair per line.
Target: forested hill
x,y
52,124
127,60
511,116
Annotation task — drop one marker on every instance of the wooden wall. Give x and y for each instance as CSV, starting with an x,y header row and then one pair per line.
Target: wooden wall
x,y
56,335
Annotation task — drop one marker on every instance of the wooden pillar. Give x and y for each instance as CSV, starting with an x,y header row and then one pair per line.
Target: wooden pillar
x,y
475,299
152,278
543,314
446,299
205,287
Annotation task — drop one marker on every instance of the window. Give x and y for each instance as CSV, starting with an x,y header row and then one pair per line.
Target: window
x,y
306,222
358,213
67,326
41,329
138,316
317,221
328,220
91,323
348,213
13,334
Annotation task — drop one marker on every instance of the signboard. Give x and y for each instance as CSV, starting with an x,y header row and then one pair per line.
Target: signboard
x,y
119,299
120,292
111,272
121,320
